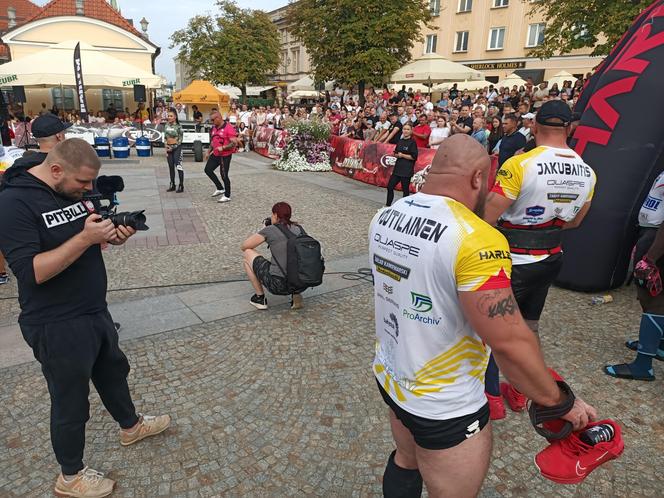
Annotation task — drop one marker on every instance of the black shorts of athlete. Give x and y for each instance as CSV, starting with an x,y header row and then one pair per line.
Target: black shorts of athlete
x,y
439,434
274,284
531,282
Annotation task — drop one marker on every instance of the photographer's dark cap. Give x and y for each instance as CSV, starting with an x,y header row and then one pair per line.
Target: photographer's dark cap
x,y
48,125
554,113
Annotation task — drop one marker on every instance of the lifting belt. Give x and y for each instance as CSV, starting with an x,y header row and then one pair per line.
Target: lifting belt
x,y
542,238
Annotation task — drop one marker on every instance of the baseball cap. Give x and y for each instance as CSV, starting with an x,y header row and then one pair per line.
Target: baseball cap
x,y
528,115
554,113
48,125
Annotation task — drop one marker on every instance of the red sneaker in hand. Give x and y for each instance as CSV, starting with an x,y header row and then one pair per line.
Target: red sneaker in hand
x,y
570,460
496,407
515,399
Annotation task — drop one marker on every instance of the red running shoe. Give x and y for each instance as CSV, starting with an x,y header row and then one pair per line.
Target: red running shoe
x,y
496,407
515,399
570,460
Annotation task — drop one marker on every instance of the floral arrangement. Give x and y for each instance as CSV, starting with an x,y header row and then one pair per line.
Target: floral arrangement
x,y
308,148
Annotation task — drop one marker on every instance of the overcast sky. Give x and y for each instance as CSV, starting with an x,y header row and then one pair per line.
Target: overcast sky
x,y
166,16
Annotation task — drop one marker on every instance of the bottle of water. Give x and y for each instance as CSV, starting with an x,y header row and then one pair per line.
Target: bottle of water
x,y
601,299
598,434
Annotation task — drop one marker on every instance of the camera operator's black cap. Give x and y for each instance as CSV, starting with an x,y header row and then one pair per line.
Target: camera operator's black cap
x,y
554,113
48,125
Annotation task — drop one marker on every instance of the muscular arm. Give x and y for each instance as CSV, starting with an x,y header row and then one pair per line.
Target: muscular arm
x,y
496,205
495,315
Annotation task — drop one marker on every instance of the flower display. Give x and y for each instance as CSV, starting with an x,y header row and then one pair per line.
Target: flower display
x,y
308,148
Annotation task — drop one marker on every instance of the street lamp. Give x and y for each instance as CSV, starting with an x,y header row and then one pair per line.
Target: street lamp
x,y
144,25
429,83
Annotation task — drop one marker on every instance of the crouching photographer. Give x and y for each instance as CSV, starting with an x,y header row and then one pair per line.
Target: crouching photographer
x,y
52,242
296,263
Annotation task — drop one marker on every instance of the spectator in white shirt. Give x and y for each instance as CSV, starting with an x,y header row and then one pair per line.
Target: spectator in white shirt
x,y
439,133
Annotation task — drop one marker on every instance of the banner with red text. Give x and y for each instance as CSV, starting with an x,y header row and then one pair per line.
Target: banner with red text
x,y
372,162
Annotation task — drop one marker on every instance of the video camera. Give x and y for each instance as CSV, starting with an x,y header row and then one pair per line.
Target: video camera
x,y
106,188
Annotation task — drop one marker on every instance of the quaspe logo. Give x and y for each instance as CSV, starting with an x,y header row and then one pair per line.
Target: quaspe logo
x,y
420,302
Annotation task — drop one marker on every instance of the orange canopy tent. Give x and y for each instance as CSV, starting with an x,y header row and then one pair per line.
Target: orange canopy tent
x,y
203,94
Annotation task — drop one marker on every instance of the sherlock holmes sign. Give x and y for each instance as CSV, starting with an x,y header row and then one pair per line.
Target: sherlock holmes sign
x,y
487,66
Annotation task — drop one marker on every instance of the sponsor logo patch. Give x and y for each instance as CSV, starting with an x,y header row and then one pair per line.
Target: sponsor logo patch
x,y
420,302
651,203
391,269
65,215
562,198
535,211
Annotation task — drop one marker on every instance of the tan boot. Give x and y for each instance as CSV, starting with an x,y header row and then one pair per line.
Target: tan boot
x,y
296,302
88,483
147,426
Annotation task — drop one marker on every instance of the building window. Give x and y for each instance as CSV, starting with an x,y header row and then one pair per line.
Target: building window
x,y
465,5
496,38
110,96
63,98
432,40
434,7
296,61
500,3
461,42
535,34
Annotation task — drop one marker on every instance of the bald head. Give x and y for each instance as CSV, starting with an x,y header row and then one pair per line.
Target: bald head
x,y
460,155
460,171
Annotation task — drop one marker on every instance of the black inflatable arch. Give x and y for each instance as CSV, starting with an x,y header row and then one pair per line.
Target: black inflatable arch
x,y
621,136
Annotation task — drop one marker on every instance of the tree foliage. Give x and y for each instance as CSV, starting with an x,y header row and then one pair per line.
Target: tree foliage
x,y
574,24
235,47
358,42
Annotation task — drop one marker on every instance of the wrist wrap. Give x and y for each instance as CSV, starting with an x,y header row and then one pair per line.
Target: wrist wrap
x,y
540,415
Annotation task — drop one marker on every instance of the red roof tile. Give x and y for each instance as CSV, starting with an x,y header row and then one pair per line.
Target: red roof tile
x,y
24,11
96,9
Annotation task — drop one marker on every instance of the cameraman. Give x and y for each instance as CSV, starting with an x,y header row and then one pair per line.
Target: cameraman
x,y
262,272
52,244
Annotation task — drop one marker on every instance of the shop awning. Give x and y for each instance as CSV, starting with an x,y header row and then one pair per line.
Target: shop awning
x,y
201,92
54,66
434,68
304,84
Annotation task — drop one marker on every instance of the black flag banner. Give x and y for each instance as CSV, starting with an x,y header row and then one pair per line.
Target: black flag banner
x,y
80,87
625,146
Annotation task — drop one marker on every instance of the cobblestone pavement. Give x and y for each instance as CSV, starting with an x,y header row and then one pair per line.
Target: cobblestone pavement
x,y
283,403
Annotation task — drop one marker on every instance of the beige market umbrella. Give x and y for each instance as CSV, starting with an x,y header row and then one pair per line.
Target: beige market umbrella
x,y
415,86
511,80
463,85
55,66
303,84
304,94
435,68
560,78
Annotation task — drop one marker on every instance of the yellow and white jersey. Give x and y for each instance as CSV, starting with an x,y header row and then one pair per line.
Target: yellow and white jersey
x,y
8,155
652,210
548,186
424,250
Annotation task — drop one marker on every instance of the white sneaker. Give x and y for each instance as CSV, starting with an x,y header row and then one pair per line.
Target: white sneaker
x,y
224,199
217,192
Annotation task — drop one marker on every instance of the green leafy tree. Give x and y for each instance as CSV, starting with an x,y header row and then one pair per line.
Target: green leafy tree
x,y
236,47
574,24
358,43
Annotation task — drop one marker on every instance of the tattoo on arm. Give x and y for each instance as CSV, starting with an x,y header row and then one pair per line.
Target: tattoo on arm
x,y
496,304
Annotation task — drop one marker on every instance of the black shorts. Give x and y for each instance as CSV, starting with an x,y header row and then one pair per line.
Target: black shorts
x,y
439,434
531,282
274,284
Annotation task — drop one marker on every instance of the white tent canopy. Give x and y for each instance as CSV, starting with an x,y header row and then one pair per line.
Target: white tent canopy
x,y
463,85
436,68
236,93
305,84
55,66
511,80
415,86
304,94
560,78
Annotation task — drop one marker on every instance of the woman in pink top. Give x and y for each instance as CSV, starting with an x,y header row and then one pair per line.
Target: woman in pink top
x,y
223,143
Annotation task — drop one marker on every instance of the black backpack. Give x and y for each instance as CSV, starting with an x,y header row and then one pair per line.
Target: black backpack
x,y
305,262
